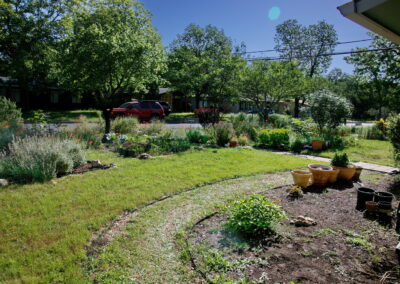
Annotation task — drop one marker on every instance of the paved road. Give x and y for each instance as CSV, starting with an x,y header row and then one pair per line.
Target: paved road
x,y
168,125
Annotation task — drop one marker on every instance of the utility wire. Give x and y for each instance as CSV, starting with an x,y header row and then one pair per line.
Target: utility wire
x,y
277,50
325,54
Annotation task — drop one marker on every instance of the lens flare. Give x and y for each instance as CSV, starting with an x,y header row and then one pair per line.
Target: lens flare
x,y
274,13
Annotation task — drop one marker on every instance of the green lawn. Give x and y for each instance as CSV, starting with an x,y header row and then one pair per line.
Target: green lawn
x,y
44,227
69,115
369,151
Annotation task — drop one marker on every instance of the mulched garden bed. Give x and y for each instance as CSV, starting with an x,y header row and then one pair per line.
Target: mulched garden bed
x,y
344,246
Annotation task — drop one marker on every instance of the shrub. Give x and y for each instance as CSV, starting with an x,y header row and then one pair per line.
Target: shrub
x,y
273,138
393,131
208,116
328,110
223,133
297,145
170,145
9,131
340,160
195,136
246,128
243,140
152,129
254,216
88,133
40,158
125,125
279,120
9,111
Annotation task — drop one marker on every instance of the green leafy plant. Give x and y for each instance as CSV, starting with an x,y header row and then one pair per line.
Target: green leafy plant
x,y
208,116
273,138
254,216
196,136
295,191
9,111
222,133
297,145
243,140
279,120
393,130
340,160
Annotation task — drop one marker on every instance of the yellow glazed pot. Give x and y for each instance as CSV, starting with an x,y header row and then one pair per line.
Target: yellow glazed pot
x,y
301,178
320,174
346,173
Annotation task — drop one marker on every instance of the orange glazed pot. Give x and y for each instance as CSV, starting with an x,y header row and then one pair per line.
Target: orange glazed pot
x,y
346,173
334,175
357,173
320,174
318,144
301,178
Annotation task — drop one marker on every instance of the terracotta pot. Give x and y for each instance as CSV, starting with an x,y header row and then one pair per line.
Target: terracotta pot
x,y
233,143
346,173
371,206
320,174
333,176
301,178
317,144
357,174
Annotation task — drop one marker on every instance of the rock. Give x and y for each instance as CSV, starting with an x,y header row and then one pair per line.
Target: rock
x,y
199,148
3,182
302,221
96,164
144,156
54,182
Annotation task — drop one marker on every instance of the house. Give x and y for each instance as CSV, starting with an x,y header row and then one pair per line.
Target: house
x,y
379,16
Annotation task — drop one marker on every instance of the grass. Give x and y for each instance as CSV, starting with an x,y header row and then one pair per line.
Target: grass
x,y
369,151
69,115
44,227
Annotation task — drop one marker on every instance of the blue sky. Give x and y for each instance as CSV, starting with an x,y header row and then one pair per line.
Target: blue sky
x,y
249,21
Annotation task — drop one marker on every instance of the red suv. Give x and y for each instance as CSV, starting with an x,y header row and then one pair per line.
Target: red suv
x,y
140,110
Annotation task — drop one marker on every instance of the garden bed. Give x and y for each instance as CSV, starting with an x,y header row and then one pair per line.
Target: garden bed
x,y
344,246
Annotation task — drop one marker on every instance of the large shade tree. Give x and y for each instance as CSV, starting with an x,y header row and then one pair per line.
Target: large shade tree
x,y
110,51
309,48
29,29
378,73
266,84
203,63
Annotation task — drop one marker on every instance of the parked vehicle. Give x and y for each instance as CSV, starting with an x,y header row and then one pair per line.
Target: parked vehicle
x,y
142,110
165,106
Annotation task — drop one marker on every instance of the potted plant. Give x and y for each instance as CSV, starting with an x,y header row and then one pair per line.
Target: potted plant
x,y
320,174
318,143
341,162
301,178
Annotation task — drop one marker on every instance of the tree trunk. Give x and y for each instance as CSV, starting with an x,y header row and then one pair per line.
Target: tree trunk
x,y
107,119
197,100
296,107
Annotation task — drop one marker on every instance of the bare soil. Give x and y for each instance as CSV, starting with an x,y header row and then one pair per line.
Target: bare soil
x,y
344,247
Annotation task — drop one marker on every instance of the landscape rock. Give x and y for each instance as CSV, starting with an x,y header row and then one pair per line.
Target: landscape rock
x,y
96,164
144,156
3,182
302,221
199,148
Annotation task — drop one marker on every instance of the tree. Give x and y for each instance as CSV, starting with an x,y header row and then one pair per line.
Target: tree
x,y
267,83
28,31
110,51
328,109
201,63
378,73
307,47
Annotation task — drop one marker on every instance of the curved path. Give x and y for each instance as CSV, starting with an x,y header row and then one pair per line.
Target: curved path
x,y
146,250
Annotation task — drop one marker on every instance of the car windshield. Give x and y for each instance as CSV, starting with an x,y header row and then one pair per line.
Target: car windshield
x,y
125,105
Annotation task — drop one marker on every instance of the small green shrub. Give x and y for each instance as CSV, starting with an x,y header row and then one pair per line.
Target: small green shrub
x,y
152,129
279,120
223,133
207,116
170,145
254,216
297,145
9,111
9,131
274,138
243,140
393,130
196,136
340,160
40,158
125,125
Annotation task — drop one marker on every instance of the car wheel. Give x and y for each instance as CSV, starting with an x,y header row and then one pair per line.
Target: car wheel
x,y
155,117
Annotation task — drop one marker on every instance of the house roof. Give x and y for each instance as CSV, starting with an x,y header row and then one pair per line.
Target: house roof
x,y
379,16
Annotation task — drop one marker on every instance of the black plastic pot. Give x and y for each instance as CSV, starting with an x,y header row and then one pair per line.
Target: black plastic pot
x,y
364,194
383,196
384,205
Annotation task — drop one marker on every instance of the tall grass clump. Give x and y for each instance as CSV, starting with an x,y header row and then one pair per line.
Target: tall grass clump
x,y
125,125
40,158
370,132
280,120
